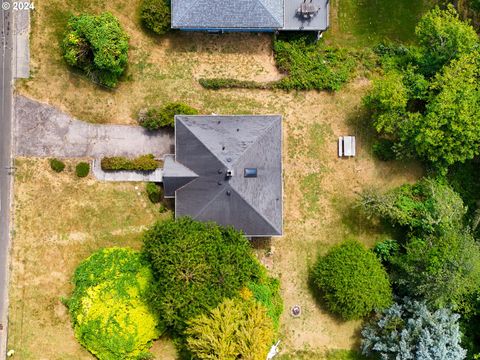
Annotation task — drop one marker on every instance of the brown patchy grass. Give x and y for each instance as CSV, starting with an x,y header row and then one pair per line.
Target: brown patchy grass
x,y
161,69
59,221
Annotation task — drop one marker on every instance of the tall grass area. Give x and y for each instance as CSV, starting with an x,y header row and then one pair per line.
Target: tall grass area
x,y
364,23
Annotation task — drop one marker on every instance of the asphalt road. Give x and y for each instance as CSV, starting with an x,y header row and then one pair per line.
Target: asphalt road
x,y
6,29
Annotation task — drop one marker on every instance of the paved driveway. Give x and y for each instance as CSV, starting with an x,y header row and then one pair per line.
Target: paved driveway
x,y
43,131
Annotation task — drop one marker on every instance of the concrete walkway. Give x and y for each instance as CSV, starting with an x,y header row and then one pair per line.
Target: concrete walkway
x,y
134,176
43,131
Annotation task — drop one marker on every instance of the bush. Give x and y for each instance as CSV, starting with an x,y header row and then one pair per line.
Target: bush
x,y
311,65
97,45
155,119
82,169
142,163
154,192
57,165
196,266
412,331
155,15
383,150
108,307
352,281
233,330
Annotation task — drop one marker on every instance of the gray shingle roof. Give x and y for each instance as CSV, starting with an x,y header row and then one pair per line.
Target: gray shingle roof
x,y
208,146
227,14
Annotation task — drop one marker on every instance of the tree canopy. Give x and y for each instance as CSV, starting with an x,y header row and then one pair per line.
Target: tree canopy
x,y
352,281
98,45
428,102
439,260
196,266
109,309
235,329
410,331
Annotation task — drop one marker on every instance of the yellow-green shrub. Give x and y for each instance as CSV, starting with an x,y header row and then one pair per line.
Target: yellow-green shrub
x,y
108,307
235,329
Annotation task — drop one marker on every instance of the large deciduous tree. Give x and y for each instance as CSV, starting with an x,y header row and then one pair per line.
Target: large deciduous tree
x,y
196,266
428,102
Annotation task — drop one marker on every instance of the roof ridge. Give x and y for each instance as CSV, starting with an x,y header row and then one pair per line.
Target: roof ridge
x,y
208,203
245,201
200,141
255,209
270,13
265,132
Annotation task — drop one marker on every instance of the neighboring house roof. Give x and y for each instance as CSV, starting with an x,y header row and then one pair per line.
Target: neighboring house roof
x,y
251,15
224,14
206,148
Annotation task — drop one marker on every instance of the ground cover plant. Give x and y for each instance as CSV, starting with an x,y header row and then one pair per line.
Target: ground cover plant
x,y
352,281
141,163
98,46
428,102
164,117
108,307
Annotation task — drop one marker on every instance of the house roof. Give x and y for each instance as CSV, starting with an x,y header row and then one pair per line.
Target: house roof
x,y
209,146
227,14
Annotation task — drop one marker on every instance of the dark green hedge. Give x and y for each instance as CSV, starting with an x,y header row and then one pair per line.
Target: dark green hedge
x,y
227,83
141,163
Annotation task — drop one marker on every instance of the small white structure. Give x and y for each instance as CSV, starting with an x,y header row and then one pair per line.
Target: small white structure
x,y
346,146
273,351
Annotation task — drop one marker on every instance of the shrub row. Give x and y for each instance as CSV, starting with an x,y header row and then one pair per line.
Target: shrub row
x,y
227,83
141,163
156,118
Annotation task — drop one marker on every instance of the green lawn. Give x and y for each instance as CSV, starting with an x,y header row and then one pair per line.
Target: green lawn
x,y
363,23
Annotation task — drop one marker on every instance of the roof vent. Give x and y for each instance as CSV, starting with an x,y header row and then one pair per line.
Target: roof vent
x,y
307,10
250,172
229,173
